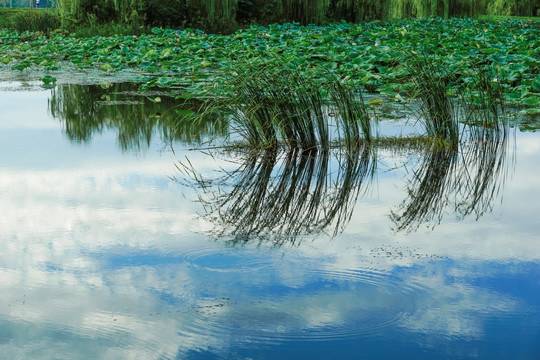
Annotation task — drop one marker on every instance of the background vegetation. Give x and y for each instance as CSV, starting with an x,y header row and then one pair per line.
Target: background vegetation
x,y
27,3
228,15
19,19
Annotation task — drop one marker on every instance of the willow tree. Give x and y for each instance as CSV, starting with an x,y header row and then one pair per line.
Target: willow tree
x,y
100,11
226,15
214,14
512,7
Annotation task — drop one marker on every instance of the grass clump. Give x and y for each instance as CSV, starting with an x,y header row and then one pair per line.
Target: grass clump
x,y
45,20
445,100
485,110
282,106
437,110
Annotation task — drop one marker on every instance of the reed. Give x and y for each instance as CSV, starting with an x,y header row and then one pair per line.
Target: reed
x,y
438,112
354,121
274,106
469,174
484,109
443,101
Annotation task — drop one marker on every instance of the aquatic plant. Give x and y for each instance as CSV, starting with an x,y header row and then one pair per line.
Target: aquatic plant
x,y
367,54
485,107
354,123
465,179
287,106
438,110
443,99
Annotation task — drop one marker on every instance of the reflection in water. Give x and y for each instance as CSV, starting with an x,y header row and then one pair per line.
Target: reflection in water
x,y
137,117
280,197
468,178
99,260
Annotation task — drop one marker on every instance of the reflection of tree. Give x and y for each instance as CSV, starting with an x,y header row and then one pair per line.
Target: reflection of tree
x,y
281,197
86,110
467,178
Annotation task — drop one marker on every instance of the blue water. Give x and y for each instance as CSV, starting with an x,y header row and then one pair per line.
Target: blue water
x,y
106,252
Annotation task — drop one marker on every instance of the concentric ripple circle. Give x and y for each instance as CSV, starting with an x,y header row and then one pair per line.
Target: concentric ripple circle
x,y
270,301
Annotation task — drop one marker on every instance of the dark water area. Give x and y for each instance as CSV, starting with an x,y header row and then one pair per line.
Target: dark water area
x,y
117,241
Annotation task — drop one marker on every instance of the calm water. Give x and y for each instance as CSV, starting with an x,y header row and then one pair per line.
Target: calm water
x,y
118,242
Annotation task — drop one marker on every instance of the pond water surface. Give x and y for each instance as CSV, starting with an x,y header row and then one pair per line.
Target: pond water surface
x,y
119,242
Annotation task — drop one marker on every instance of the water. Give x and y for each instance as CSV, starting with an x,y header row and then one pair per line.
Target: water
x,y
107,252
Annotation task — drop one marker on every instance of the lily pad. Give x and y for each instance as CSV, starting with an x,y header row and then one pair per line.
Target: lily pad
x,y
48,79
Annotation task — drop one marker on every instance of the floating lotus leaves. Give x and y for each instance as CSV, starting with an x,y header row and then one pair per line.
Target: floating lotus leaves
x,y
48,79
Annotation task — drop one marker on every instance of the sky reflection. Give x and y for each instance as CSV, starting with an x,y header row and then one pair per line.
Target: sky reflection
x,y
103,255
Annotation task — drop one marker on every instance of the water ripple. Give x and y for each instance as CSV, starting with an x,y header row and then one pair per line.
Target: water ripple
x,y
209,259
333,305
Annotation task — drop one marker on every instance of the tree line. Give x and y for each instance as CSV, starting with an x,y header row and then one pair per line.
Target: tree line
x,y
225,15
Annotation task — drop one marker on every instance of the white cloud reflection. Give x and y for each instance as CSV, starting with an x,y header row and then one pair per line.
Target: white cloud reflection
x,y
106,260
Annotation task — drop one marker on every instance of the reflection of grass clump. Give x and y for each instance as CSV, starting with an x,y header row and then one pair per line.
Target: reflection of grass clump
x,y
283,196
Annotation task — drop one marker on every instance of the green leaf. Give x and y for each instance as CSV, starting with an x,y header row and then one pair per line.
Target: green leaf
x,y
532,100
185,113
536,84
106,67
165,53
185,96
150,53
47,79
376,101
530,112
22,65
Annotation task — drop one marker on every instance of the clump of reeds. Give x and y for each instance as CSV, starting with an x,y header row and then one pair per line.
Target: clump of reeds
x,y
444,102
273,106
469,175
438,111
483,107
279,106
354,121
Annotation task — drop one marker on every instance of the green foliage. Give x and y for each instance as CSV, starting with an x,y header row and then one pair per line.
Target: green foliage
x,y
30,20
367,55
272,106
226,15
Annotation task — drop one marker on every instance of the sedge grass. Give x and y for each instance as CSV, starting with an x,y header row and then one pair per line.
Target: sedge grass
x,y
272,107
437,111
444,103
